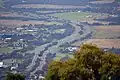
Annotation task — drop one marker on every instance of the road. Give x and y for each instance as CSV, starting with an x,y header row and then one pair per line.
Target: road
x,y
53,49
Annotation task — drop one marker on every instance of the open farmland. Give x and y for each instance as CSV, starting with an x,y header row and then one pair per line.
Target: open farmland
x,y
12,14
80,16
105,43
60,56
102,43
34,34
1,3
106,32
102,1
17,23
5,50
46,6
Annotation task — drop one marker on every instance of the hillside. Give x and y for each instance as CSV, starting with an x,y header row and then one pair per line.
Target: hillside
x,y
1,3
66,2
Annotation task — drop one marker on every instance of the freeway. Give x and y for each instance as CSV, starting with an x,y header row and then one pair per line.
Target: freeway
x,y
53,48
36,51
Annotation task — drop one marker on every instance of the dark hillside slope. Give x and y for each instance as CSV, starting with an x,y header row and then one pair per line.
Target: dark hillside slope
x,y
73,2
65,2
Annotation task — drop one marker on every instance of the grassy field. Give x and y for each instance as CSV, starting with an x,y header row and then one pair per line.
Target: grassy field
x,y
60,31
103,1
104,36
72,15
1,3
12,14
105,43
106,32
17,23
5,50
10,61
79,16
46,6
60,56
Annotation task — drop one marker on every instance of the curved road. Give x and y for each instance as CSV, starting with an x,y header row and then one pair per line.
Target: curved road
x,y
53,49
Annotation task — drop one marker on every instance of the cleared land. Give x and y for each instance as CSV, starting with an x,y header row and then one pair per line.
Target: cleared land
x,y
105,43
81,16
46,6
60,56
12,14
104,36
1,3
106,32
5,50
102,1
17,23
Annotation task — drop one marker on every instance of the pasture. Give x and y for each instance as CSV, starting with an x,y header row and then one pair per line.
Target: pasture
x,y
16,23
80,16
106,32
60,56
5,50
105,43
48,6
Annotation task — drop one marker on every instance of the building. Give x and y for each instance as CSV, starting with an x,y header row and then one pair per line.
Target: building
x,y
1,64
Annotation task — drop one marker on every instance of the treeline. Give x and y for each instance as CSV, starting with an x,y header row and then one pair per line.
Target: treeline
x,y
89,63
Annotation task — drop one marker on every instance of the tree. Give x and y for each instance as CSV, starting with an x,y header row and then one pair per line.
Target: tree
x,y
11,76
89,63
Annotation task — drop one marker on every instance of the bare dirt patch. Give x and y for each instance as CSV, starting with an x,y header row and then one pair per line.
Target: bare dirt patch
x,y
102,1
46,6
105,43
106,32
20,23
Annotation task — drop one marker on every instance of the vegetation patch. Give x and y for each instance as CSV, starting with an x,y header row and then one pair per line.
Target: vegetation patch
x,y
17,23
106,32
60,56
61,31
72,15
1,3
88,63
79,16
5,50
47,6
105,43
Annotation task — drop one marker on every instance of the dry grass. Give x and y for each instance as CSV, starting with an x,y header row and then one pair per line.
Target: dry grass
x,y
46,6
104,37
109,28
102,1
106,32
20,23
12,14
105,43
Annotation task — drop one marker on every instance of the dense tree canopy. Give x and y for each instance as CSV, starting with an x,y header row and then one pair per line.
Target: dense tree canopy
x,y
11,76
89,63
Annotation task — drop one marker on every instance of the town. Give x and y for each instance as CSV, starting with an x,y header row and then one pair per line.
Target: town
x,y
33,35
